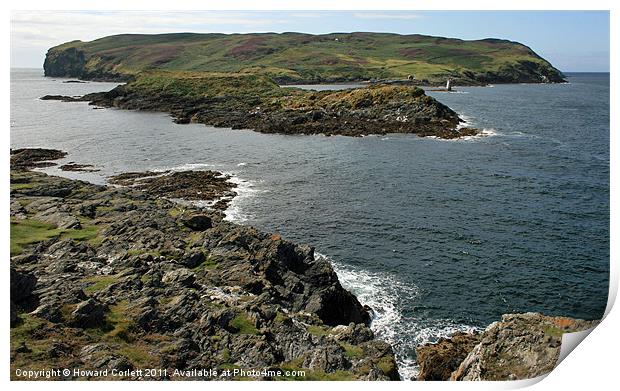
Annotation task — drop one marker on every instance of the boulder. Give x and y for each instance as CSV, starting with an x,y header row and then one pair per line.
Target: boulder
x,y
438,360
89,313
198,222
182,277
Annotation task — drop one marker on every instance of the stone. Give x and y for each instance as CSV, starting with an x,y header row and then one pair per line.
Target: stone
x,y
198,222
89,313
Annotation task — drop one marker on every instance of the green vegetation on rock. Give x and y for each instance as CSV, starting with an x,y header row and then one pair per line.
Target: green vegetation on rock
x,y
243,324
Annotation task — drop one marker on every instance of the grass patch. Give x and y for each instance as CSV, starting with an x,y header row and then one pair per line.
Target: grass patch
x,y
296,371
87,233
28,231
121,327
352,351
553,331
175,212
387,365
243,324
99,283
18,186
316,330
210,262
280,317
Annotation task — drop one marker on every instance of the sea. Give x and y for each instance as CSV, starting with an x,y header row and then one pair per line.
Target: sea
x,y
434,235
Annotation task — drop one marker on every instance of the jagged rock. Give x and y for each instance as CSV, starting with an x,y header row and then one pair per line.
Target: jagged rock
x,y
354,333
182,277
22,285
18,211
193,259
520,346
198,222
163,295
22,348
438,360
58,349
61,220
327,359
26,158
89,313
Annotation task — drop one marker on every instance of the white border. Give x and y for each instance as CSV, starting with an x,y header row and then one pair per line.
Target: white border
x,y
591,365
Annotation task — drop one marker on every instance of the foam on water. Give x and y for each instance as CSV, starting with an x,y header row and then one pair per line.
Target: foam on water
x,y
245,190
388,296
189,167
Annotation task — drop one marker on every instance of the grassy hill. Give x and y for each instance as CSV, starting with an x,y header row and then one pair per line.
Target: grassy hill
x,y
296,57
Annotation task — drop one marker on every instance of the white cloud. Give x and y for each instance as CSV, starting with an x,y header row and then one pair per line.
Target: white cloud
x,y
36,28
386,15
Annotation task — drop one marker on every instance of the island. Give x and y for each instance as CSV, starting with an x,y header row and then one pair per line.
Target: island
x,y
296,58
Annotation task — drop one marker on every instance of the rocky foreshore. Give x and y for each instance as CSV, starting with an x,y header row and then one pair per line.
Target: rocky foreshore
x,y
520,346
247,101
120,279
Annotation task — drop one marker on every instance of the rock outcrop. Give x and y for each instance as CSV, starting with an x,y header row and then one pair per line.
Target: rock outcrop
x,y
437,361
520,346
144,282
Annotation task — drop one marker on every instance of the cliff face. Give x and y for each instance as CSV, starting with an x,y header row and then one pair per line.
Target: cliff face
x,y
115,278
305,58
69,62
520,346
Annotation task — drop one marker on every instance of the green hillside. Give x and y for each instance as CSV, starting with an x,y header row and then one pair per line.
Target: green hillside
x,y
296,57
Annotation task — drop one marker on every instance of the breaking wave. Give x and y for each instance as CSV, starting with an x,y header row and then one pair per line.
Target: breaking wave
x,y
388,297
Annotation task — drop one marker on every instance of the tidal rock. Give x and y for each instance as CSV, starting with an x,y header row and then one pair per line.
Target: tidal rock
x,y
27,158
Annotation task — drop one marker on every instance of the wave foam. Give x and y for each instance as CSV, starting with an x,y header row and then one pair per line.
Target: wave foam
x,y
245,189
388,296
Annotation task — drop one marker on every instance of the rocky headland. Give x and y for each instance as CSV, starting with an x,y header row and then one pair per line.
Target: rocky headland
x,y
250,101
520,346
121,279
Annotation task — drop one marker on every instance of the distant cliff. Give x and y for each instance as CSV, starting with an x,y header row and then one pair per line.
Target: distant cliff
x,y
296,57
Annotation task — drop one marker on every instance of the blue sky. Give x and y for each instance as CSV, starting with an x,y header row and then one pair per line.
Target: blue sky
x,y
570,40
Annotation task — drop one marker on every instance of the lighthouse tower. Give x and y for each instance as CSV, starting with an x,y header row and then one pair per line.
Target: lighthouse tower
x,y
448,86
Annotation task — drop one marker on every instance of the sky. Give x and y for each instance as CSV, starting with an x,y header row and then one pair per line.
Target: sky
x,y
573,41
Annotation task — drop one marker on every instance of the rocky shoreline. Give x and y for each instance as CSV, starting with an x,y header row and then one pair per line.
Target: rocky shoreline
x,y
247,101
115,278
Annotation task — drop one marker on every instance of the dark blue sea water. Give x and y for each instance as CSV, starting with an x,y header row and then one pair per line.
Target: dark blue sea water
x,y
435,235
